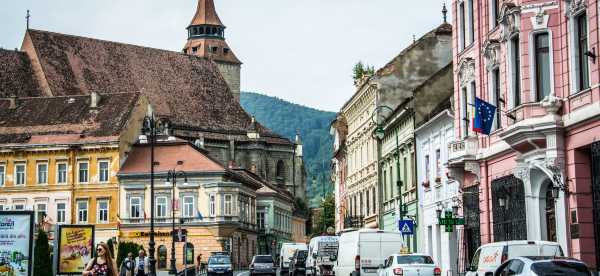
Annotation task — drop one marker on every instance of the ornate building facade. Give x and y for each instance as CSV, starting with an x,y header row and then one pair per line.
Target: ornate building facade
x,y
535,61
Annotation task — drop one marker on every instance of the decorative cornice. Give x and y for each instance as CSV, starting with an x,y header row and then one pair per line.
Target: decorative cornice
x,y
509,20
574,7
491,52
466,71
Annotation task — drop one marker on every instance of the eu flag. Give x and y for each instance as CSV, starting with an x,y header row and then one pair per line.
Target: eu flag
x,y
484,116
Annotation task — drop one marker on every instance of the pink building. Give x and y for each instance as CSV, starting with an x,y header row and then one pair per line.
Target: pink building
x,y
537,175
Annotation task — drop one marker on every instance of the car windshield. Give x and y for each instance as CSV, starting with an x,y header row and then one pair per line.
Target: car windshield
x,y
219,260
302,254
414,260
560,268
263,260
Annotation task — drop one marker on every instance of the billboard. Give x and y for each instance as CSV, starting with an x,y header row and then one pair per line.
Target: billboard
x,y
16,238
75,248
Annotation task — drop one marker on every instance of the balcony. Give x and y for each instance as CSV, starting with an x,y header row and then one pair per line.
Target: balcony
x,y
463,150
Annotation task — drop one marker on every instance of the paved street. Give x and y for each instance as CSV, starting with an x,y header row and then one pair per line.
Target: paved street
x,y
235,273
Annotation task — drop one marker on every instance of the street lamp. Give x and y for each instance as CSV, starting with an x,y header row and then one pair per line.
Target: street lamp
x,y
151,127
172,175
379,134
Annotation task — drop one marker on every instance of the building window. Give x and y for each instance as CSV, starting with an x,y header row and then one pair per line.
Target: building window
x,y
83,169
471,21
495,13
361,204
40,212
385,185
135,207
228,205
260,220
515,70
161,207
404,171
19,207
103,211
583,77
82,211
188,206
465,115
280,171
542,66
61,212
427,171
496,95
2,174
42,173
374,202
463,33
438,163
103,167
211,205
2,206
367,198
20,174
61,173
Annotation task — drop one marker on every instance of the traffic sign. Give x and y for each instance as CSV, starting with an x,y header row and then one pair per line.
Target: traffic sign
x,y
406,226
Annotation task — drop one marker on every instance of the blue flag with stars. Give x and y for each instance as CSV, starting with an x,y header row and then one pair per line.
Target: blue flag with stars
x,y
484,116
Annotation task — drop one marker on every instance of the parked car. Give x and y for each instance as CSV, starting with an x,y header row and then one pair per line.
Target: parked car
x,y
543,265
409,265
287,250
322,254
262,264
361,252
298,263
490,256
219,264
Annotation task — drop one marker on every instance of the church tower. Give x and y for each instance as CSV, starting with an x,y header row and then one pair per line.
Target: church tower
x,y
206,38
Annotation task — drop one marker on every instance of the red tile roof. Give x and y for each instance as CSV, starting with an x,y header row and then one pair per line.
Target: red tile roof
x,y
206,14
16,75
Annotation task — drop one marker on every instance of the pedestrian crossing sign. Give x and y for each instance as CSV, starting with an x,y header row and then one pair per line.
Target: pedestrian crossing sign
x,y
406,226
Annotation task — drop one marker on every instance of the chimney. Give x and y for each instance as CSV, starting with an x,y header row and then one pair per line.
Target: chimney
x,y
95,99
12,102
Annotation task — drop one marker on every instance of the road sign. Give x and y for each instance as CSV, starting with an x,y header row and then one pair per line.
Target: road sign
x,y
406,226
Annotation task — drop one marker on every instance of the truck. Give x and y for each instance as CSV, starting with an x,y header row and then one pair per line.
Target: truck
x,y
322,254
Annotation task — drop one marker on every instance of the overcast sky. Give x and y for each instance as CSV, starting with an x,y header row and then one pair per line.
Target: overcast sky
x,y
299,50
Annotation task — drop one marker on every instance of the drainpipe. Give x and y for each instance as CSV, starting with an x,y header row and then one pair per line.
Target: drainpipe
x,y
73,169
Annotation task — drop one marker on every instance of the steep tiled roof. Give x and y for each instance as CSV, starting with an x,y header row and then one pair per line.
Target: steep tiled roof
x,y
16,75
187,89
66,118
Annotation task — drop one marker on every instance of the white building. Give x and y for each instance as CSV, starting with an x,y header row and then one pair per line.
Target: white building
x,y
436,191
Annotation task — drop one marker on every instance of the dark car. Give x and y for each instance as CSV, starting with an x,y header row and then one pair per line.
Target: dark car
x,y
298,263
219,264
262,265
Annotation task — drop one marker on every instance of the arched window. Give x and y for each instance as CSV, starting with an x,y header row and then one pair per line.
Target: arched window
x,y
280,171
189,253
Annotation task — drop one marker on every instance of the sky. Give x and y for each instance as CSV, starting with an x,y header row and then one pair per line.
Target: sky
x,y
302,51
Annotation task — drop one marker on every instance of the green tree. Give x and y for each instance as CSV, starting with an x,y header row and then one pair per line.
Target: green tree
x,y
125,248
360,70
42,263
327,214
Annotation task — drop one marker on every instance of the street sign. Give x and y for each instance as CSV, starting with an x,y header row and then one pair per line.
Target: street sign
x,y
406,226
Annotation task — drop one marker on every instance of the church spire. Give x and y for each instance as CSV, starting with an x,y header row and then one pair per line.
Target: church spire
x,y
206,14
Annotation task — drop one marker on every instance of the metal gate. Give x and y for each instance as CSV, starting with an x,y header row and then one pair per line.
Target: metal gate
x,y
596,195
471,235
508,209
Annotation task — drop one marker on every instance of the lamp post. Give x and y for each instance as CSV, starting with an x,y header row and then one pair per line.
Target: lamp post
x,y
172,175
151,128
379,134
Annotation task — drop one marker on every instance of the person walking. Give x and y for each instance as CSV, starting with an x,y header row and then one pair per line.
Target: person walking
x,y
142,265
102,264
128,266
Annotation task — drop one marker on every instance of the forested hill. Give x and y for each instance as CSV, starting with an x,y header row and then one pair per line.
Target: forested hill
x,y
285,118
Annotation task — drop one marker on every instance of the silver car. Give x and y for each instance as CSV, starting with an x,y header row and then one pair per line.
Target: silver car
x,y
540,265
263,265
219,264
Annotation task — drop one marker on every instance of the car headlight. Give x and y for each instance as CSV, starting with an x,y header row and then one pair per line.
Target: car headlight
x,y
228,269
210,269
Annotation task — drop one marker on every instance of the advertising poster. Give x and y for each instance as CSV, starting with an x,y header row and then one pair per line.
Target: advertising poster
x,y
16,237
75,245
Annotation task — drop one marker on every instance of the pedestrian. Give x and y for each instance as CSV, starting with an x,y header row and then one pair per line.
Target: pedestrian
x,y
142,266
102,264
128,266
199,263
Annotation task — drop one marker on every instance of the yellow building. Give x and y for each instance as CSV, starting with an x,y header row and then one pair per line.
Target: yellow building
x,y
59,156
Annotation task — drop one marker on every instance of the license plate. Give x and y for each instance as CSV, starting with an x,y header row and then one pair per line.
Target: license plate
x,y
221,272
370,270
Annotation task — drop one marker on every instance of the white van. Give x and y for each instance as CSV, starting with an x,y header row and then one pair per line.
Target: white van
x,y
490,256
287,251
322,254
361,252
